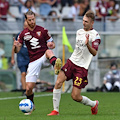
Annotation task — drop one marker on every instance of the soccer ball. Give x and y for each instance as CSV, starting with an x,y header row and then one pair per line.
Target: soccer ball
x,y
26,105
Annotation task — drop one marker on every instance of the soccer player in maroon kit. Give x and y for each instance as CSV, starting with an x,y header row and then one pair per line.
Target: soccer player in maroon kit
x,y
38,42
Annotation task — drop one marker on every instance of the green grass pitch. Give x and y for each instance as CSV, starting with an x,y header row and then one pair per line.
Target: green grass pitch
x,y
109,107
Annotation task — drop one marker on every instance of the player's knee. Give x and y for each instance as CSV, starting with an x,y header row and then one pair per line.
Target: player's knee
x,y
58,84
75,97
28,90
23,74
49,53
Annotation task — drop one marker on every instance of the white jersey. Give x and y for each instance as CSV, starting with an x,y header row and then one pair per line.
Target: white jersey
x,y
81,55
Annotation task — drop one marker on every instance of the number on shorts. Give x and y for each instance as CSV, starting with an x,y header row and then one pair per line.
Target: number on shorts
x,y
78,81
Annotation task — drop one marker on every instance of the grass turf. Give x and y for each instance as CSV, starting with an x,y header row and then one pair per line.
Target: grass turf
x,y
109,107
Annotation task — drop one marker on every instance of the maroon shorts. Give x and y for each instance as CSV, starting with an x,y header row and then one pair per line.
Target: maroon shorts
x,y
76,73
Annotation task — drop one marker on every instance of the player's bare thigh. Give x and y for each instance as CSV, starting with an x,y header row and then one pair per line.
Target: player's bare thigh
x,y
60,79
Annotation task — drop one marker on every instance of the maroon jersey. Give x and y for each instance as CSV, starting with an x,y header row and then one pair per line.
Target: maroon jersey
x,y
36,41
4,6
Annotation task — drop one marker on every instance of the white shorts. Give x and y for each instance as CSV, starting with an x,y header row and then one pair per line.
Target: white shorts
x,y
35,67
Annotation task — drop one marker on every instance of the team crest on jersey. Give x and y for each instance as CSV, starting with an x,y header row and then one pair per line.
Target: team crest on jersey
x,y
39,33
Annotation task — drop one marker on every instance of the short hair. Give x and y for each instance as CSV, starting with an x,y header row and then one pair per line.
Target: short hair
x,y
113,64
90,14
29,12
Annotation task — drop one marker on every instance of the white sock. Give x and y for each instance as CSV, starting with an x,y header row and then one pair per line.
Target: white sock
x,y
56,98
88,102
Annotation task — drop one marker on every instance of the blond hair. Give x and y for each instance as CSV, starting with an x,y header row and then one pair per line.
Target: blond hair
x,y
90,14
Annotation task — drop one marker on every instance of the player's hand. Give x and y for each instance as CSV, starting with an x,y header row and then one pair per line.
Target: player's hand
x,y
12,61
51,45
16,43
87,39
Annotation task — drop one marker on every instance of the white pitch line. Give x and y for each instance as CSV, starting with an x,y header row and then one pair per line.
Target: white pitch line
x,y
9,98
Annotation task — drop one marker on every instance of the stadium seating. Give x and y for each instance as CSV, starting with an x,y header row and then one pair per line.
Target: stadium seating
x,y
15,11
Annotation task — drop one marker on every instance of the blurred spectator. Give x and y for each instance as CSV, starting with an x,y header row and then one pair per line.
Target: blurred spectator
x,y
52,16
66,2
3,60
84,7
111,79
101,9
2,52
4,10
74,11
5,65
46,6
55,3
113,10
20,4
29,5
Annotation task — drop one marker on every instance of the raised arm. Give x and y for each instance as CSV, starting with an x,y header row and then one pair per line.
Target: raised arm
x,y
17,46
91,50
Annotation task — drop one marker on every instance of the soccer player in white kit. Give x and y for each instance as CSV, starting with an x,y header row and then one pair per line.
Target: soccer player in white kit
x,y
76,68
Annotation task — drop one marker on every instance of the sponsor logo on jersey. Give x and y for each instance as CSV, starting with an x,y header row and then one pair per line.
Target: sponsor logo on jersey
x,y
34,42
27,37
27,33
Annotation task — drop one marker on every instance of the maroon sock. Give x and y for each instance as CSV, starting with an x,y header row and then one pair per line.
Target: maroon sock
x,y
31,98
52,60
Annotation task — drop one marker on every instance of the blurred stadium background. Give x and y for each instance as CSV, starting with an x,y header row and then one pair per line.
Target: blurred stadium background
x,y
109,49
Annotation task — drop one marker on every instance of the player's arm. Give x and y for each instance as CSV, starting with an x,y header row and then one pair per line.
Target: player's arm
x,y
17,45
90,48
12,56
51,45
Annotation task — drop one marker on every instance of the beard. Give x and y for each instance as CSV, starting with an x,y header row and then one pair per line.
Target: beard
x,y
32,25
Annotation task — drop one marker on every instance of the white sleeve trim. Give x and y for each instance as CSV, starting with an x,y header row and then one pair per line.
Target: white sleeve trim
x,y
50,40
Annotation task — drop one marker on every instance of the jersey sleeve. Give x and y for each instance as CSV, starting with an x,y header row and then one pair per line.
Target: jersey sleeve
x,y
96,42
47,36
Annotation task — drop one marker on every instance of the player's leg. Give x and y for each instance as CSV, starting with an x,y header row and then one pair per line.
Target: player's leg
x,y
29,90
57,93
65,74
80,81
23,74
31,78
23,70
76,95
30,94
56,62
